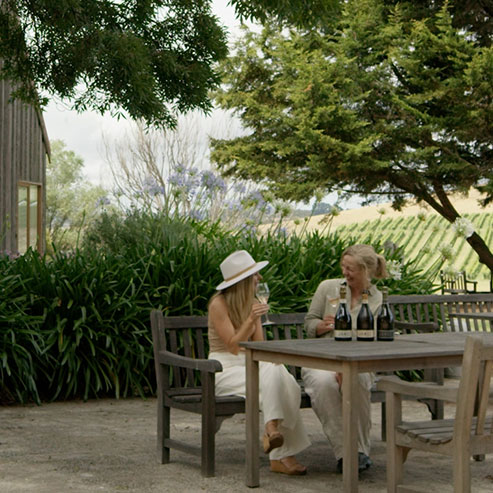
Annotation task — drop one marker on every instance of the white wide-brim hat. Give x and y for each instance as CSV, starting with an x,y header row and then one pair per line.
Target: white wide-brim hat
x,y
238,266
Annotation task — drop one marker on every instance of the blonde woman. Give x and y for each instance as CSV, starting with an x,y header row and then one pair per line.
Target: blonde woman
x,y
234,316
360,264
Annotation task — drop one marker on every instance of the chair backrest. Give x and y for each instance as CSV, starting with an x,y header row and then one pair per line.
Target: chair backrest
x,y
285,326
474,434
437,307
453,283
184,336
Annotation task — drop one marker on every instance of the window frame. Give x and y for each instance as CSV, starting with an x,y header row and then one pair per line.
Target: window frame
x,y
39,215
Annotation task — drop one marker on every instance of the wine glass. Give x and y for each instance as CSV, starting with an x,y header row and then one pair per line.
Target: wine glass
x,y
333,299
263,297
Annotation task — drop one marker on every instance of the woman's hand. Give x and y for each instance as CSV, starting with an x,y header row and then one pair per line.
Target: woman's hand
x,y
258,309
250,328
325,325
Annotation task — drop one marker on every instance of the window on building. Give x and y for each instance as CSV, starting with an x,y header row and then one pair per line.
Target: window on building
x,y
29,217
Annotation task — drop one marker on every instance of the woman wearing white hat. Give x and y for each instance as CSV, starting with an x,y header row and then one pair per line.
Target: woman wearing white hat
x,y
234,316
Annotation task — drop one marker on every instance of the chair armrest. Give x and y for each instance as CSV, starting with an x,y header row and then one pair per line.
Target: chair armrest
x,y
416,326
172,359
421,390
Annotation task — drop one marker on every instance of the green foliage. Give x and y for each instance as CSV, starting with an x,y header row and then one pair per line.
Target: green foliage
x,y
149,59
77,324
296,12
476,18
368,110
22,344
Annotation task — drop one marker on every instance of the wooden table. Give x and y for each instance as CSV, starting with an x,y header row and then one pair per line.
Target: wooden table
x,y
435,350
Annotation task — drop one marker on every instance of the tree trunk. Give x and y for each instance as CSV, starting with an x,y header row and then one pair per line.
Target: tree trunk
x,y
445,208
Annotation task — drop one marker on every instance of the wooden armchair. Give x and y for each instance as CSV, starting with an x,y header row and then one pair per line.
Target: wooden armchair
x,y
452,284
468,434
185,380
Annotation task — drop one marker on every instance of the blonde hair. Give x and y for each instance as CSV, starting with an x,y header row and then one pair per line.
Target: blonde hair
x,y
369,260
239,299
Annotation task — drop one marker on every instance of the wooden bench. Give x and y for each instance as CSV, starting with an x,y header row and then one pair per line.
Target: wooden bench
x,y
437,309
457,284
186,378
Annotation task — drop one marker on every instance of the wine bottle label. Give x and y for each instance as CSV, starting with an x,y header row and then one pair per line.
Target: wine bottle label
x,y
385,335
367,334
343,335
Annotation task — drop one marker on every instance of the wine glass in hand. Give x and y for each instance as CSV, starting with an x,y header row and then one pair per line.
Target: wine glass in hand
x,y
333,299
263,297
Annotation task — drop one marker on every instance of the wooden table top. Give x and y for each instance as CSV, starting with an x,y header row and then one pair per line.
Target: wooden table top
x,y
404,346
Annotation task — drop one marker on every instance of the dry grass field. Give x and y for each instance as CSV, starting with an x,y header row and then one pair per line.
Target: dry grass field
x,y
462,204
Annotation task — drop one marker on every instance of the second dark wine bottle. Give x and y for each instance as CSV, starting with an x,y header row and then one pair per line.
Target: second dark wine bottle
x,y
342,322
365,330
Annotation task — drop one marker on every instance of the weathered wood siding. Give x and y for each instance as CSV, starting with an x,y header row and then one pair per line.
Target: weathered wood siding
x,y
24,148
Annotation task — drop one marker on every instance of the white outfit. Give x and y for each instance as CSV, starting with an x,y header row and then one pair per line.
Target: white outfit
x,y
279,398
321,385
326,400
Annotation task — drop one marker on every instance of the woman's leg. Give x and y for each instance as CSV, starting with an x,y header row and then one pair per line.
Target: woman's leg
x,y
326,401
280,398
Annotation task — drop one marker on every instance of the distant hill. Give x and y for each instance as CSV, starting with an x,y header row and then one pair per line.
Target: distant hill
x,y
463,205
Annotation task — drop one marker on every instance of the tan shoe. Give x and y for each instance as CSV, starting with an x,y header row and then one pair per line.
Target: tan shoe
x,y
293,469
272,440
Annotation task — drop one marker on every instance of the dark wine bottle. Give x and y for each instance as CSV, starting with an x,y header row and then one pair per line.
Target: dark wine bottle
x,y
342,323
365,330
385,319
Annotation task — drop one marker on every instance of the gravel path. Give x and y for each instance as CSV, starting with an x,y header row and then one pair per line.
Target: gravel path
x,y
109,446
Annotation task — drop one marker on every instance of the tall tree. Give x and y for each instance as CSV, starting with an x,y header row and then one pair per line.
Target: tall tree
x,y
386,105
71,201
148,58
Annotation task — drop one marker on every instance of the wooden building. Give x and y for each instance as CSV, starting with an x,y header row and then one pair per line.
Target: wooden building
x,y
24,148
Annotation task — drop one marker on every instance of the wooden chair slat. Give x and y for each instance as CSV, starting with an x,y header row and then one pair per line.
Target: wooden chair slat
x,y
188,347
173,347
484,395
201,343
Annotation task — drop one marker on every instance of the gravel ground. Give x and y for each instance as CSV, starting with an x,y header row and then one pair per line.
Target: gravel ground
x,y
109,445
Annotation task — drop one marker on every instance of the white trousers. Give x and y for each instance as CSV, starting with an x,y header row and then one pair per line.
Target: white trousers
x,y
279,398
326,399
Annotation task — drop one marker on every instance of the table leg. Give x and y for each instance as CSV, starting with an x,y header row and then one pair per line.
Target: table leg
x,y
252,425
350,427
